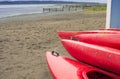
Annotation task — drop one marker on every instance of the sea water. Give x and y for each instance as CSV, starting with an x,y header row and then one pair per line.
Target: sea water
x,y
13,10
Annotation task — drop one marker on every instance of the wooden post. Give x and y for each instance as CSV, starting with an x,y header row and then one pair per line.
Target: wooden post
x,y
56,9
76,8
63,8
49,9
69,8
43,10
113,14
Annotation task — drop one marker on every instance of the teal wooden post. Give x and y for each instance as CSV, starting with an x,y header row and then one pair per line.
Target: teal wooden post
x,y
113,14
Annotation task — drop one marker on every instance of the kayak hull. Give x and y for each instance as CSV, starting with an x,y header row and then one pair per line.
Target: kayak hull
x,y
110,40
70,34
100,56
66,68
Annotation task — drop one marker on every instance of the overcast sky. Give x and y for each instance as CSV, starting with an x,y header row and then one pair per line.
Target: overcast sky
x,y
101,1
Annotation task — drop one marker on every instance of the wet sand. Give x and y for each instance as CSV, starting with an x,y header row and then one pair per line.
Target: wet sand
x,y
25,39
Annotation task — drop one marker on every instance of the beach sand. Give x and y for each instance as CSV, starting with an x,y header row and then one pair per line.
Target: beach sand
x,y
25,39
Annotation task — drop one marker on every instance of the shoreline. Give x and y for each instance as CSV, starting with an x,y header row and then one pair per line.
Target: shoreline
x,y
21,9
39,14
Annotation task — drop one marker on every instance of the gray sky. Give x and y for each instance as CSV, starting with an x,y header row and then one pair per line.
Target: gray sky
x,y
101,1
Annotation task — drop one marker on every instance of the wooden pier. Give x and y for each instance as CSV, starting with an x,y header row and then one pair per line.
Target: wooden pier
x,y
64,8
52,9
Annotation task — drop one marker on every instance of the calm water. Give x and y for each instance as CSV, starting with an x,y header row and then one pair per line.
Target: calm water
x,y
12,10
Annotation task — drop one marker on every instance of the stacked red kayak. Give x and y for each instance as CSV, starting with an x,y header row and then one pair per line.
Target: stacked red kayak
x,y
110,40
97,52
70,34
102,57
66,68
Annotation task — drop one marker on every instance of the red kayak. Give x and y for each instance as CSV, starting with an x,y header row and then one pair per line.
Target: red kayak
x,y
100,56
66,68
112,29
110,40
70,34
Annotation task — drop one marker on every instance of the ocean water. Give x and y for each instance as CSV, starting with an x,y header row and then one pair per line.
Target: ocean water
x,y
12,10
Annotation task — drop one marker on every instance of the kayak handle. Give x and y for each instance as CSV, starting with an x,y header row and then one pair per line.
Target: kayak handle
x,y
55,53
72,38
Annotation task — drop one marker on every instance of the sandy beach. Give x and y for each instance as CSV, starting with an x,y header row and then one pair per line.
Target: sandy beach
x,y
25,39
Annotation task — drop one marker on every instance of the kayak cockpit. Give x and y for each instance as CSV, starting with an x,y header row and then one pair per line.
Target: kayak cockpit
x,y
96,75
